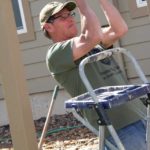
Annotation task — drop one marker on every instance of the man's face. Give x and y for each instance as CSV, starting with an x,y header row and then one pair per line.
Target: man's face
x,y
64,25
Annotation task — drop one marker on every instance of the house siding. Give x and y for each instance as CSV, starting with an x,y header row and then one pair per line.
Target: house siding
x,y
137,41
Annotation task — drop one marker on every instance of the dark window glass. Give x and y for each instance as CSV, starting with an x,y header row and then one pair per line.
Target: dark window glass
x,y
17,14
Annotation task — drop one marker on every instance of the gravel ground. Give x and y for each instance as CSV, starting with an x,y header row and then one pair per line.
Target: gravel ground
x,y
64,133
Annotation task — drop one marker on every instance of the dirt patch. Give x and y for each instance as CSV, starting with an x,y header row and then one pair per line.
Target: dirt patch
x,y
64,133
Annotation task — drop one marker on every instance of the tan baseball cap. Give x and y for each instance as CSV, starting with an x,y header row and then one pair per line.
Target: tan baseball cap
x,y
52,8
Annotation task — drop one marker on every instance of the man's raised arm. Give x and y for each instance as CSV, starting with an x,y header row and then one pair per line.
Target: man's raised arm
x,y
90,30
117,26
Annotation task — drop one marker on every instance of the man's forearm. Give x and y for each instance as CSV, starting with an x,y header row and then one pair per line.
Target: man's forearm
x,y
113,16
89,20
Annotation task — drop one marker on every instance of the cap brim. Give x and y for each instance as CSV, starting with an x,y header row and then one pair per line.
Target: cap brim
x,y
68,5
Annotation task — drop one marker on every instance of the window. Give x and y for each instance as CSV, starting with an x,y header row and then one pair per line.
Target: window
x,y
141,3
23,20
19,16
138,8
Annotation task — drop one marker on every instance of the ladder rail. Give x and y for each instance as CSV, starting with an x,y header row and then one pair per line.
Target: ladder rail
x,y
100,56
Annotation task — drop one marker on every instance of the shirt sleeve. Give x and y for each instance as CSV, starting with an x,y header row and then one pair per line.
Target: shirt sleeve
x,y
60,58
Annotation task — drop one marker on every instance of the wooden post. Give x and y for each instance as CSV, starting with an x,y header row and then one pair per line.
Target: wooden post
x,y
13,82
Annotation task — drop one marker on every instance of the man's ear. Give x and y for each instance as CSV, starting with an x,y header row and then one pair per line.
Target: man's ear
x,y
48,27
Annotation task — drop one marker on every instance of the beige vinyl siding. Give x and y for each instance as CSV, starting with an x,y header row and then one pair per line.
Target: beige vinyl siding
x,y
137,80
145,65
137,40
1,93
137,35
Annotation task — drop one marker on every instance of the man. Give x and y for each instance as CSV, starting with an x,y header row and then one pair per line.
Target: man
x,y
69,48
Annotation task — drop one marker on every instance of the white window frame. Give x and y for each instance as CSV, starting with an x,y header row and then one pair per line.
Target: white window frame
x,y
26,31
138,8
141,3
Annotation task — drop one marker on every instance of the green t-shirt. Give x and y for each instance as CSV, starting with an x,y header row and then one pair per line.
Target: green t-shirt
x,y
102,73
